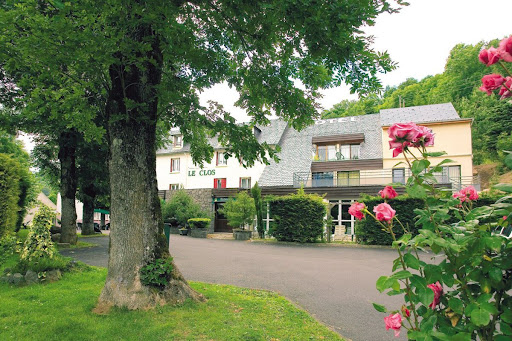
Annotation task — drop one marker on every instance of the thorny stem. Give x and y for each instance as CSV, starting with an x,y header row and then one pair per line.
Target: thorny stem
x,y
389,227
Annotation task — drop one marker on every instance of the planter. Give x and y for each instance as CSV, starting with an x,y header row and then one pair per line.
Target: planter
x,y
242,234
199,232
183,232
174,230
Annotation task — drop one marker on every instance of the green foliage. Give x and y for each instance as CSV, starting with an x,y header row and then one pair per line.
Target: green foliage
x,y
157,273
362,106
239,210
298,217
38,244
199,222
9,179
182,207
41,265
259,206
8,245
368,231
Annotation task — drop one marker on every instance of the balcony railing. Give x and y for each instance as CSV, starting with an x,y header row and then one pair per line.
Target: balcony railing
x,y
374,178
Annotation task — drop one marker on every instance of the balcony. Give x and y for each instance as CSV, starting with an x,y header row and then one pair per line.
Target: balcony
x,y
380,177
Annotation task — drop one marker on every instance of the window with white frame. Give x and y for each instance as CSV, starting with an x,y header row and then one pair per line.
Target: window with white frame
x,y
221,159
245,183
175,165
177,141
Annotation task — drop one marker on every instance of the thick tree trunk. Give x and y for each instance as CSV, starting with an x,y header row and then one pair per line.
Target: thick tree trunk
x,y
136,229
88,215
68,181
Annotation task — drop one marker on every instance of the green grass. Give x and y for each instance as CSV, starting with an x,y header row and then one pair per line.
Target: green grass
x,y
22,234
62,311
91,235
79,244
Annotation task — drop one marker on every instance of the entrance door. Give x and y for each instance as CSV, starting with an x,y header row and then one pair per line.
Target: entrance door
x,y
221,222
340,215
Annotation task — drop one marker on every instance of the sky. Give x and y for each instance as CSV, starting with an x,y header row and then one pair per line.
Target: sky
x,y
419,39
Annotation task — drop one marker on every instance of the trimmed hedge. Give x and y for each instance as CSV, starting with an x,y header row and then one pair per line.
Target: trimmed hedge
x,y
199,222
368,231
298,217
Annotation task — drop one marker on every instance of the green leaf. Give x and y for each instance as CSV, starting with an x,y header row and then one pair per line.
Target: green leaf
x,y
426,295
489,307
507,188
419,166
416,191
480,317
434,154
381,283
401,275
379,308
493,243
508,161
411,261
456,305
507,316
495,274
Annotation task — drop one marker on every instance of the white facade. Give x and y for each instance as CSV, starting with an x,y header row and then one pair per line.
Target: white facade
x,y
190,176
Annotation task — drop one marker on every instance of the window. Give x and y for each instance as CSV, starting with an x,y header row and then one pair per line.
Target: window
x,y
177,141
450,174
175,165
337,152
219,183
221,159
322,179
174,187
398,175
245,183
350,178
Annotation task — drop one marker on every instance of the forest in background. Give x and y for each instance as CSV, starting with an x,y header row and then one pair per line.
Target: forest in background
x,y
458,84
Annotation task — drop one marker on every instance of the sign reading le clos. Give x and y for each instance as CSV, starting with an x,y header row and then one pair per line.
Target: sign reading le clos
x,y
202,172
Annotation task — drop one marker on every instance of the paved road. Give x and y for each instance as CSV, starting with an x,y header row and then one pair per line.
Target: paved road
x,y
335,284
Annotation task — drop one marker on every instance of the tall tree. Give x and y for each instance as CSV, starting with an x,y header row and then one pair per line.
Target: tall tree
x,y
156,57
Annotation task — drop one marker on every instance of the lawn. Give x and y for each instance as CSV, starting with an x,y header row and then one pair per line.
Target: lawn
x,y
62,311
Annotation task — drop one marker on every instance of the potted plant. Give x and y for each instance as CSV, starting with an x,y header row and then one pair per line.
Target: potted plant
x,y
240,212
199,227
183,231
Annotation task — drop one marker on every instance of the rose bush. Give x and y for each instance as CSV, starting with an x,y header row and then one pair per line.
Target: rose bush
x,y
464,291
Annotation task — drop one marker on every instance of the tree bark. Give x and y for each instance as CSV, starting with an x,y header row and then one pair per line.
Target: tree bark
x,y
68,183
136,229
88,215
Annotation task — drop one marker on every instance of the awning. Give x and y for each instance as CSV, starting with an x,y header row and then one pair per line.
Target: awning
x,y
100,210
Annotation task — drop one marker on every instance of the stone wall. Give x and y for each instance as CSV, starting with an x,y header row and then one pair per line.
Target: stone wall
x,y
202,196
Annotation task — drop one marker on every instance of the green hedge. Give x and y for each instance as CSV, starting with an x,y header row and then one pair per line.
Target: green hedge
x,y
10,193
369,231
297,217
199,222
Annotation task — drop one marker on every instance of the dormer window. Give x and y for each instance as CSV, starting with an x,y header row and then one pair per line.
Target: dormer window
x,y
337,152
221,159
177,141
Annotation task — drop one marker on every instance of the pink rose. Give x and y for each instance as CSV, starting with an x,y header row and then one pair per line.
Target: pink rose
x,y
505,49
506,88
491,83
438,291
397,151
384,212
468,193
490,56
356,209
401,133
394,321
425,137
388,193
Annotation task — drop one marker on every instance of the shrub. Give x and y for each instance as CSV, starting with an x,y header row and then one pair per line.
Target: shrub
x,y
258,204
7,246
199,222
182,207
10,193
39,242
158,273
57,262
239,210
368,231
298,217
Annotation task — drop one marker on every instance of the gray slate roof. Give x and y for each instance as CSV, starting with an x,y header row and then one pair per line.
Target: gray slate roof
x,y
270,134
419,114
297,149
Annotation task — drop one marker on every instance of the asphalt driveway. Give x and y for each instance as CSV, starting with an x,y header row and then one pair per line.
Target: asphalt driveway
x,y
334,284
